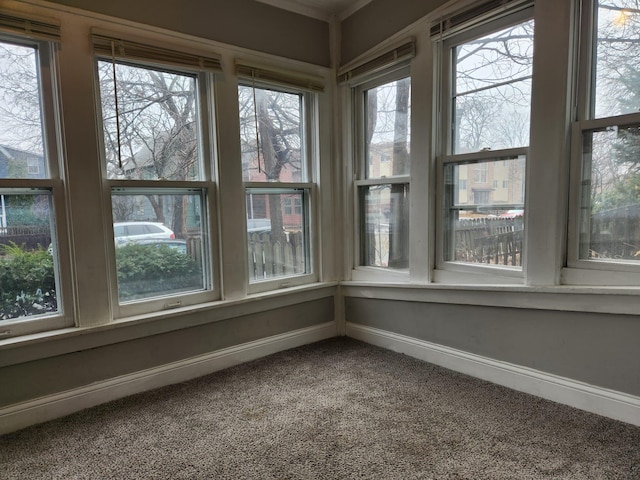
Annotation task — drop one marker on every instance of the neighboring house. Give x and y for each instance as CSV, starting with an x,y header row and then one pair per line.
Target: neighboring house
x,y
16,163
258,203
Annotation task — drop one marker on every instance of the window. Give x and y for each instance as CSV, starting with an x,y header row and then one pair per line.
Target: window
x,y
31,194
486,73
159,177
606,232
278,161
383,107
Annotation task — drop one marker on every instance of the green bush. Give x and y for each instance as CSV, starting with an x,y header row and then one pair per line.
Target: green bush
x,y
27,279
27,282
148,270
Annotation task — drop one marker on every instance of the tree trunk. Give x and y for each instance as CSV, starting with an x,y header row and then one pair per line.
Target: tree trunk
x,y
270,162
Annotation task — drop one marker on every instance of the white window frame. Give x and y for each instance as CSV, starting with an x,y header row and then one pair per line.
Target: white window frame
x,y
591,272
206,185
399,71
451,271
47,58
308,188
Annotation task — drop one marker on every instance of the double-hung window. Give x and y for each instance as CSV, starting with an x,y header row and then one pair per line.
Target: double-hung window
x,y
278,121
483,138
32,219
381,90
604,222
159,169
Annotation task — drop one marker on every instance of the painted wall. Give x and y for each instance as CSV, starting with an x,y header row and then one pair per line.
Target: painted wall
x,y
244,23
77,367
379,20
594,348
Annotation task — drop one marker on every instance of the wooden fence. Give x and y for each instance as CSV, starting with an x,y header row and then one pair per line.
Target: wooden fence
x,y
495,241
269,259
31,237
615,233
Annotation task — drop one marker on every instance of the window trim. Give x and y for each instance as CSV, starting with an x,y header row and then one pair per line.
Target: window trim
x,y
212,291
579,271
310,199
450,271
47,57
399,70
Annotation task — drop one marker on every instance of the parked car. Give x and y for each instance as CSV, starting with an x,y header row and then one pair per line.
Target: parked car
x,y
512,213
179,245
258,225
125,232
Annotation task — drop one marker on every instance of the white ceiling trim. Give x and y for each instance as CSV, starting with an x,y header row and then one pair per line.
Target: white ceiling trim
x,y
319,9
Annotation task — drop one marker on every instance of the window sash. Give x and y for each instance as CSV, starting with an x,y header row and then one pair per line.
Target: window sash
x,y
40,36
581,269
292,260
200,248
383,244
365,243
446,134
509,262
308,141
580,224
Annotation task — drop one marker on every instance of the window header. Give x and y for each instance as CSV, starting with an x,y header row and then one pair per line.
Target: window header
x,y
116,47
476,13
389,59
283,78
32,28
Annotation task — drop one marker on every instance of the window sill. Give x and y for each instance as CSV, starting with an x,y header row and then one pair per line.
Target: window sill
x,y
379,274
612,300
58,342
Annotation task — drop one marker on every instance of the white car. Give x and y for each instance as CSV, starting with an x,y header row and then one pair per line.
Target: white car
x,y
126,232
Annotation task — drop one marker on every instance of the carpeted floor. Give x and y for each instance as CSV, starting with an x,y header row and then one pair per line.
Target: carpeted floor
x,y
332,410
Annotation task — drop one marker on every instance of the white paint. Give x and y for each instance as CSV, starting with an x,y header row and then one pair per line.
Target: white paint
x,y
615,300
320,9
609,403
47,408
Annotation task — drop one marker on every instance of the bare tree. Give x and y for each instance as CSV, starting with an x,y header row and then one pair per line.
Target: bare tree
x,y
150,130
272,143
20,111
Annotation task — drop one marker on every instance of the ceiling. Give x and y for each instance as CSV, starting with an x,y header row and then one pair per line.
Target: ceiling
x,y
321,9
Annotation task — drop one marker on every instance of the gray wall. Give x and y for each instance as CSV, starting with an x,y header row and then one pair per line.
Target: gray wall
x,y
82,366
379,20
244,23
594,348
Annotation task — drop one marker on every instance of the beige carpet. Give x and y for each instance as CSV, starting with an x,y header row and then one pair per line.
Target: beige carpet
x,y
332,410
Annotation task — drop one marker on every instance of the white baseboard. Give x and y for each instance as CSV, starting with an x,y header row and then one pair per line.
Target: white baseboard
x,y
22,415
609,403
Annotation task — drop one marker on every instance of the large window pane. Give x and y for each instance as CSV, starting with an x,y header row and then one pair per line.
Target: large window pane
x,y
28,282
492,90
150,122
387,114
277,233
384,218
160,244
616,88
610,213
484,211
272,135
22,153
